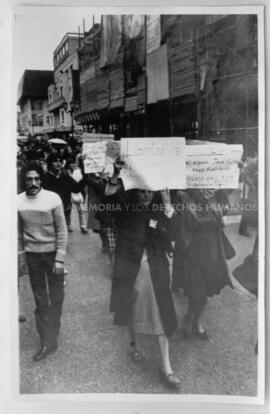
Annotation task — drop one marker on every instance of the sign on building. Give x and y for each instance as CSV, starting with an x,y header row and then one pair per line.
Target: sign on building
x,y
153,34
157,75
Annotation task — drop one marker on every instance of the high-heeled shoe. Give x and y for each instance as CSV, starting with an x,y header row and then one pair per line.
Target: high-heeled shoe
x,y
200,333
169,379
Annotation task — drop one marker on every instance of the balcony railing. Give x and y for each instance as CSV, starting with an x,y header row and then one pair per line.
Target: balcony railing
x,y
56,104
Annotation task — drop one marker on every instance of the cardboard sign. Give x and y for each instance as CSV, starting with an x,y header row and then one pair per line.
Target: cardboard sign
x,y
95,153
158,163
99,155
213,166
153,163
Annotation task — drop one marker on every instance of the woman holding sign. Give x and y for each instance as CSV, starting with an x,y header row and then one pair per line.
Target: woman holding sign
x,y
141,296
201,250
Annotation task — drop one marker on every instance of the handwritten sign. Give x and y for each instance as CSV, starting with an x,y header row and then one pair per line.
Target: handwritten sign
x,y
153,163
95,153
213,166
99,155
157,163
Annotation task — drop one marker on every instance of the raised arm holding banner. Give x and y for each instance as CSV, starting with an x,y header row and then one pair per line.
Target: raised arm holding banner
x,y
157,163
99,150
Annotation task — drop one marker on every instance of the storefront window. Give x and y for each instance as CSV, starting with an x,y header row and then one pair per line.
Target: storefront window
x,y
37,120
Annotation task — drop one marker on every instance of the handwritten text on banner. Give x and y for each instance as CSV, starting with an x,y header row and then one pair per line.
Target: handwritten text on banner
x,y
99,150
156,163
153,163
213,166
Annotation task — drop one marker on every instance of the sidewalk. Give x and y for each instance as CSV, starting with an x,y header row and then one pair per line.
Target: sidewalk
x,y
92,355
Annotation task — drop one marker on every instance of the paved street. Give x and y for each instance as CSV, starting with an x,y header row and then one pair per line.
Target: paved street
x,y
93,354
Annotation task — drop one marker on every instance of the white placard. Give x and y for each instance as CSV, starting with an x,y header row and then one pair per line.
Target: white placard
x,y
213,166
153,163
98,155
95,153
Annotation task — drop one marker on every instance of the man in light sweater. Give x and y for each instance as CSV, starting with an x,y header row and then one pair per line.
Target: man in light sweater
x,y
42,235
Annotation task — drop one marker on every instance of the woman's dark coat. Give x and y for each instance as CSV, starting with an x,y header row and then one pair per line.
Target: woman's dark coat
x,y
135,232
201,247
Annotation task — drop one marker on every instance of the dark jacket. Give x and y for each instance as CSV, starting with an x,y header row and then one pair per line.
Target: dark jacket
x,y
135,232
63,185
201,247
99,204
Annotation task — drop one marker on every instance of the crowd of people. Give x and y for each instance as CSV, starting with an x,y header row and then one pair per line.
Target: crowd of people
x,y
142,232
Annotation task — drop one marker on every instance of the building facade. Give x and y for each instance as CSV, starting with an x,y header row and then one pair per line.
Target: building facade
x,y
33,101
173,75
63,92
102,78
194,76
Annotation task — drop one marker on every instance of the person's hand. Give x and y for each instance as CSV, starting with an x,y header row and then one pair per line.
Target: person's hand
x,y
22,265
240,164
108,171
58,268
118,165
166,197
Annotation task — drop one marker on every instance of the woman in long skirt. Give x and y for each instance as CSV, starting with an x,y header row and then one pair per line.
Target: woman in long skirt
x,y
141,295
201,250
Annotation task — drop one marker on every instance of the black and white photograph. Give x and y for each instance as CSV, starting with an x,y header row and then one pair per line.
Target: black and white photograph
x,y
139,250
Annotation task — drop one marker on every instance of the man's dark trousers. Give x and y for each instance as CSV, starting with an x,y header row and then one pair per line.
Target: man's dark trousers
x,y
48,291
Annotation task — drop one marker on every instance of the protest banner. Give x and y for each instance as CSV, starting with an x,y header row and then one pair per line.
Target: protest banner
x,y
95,156
157,163
213,166
203,142
99,153
153,163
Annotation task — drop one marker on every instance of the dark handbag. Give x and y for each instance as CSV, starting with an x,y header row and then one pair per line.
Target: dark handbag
x,y
228,248
247,274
